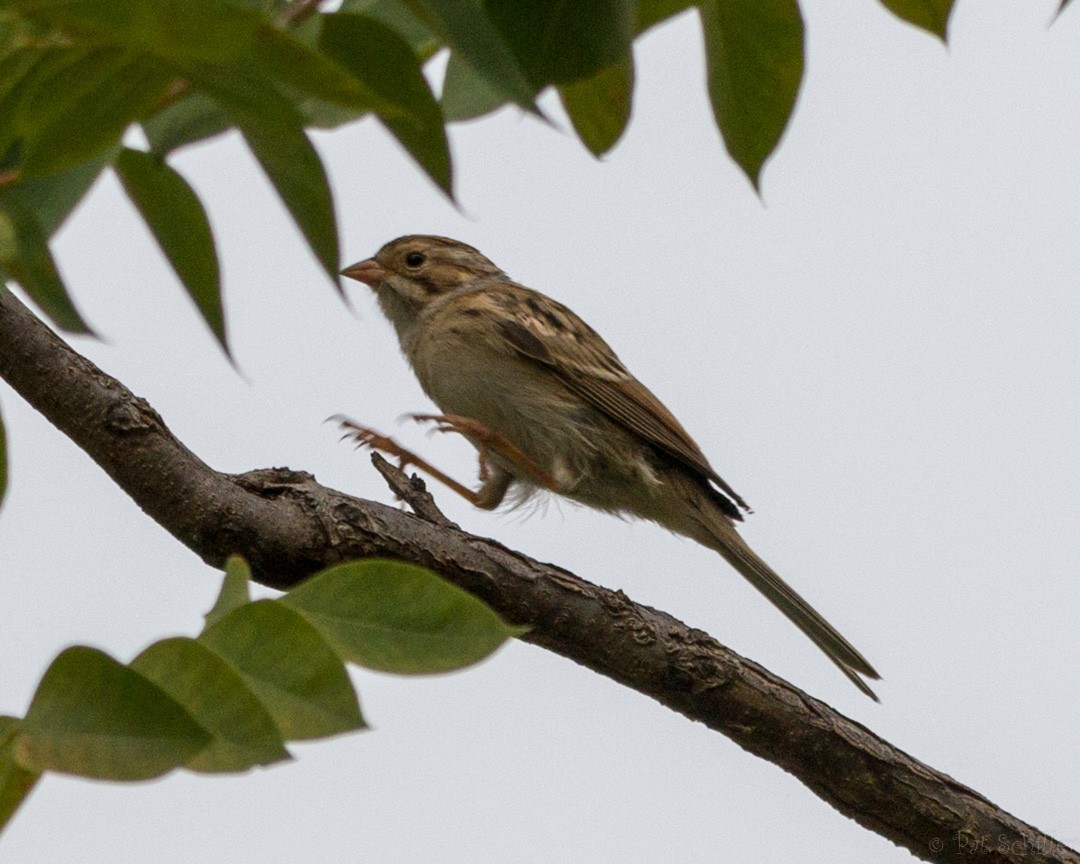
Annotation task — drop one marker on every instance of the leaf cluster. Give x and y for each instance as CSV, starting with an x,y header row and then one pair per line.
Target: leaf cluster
x,y
261,673
75,75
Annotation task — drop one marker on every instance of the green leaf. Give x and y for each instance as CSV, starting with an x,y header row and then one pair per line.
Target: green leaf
x,y
557,42
25,257
15,781
398,618
178,221
235,589
188,31
396,15
324,115
599,107
3,464
553,42
74,102
194,118
754,56
316,112
466,94
930,15
308,71
288,665
94,717
464,26
380,58
16,30
274,132
180,33
53,196
113,98
245,734
271,7
652,12
18,66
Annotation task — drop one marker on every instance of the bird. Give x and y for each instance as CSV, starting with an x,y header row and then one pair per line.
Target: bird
x,y
550,406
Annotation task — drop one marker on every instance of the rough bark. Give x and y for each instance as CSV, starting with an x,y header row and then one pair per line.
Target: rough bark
x,y
288,526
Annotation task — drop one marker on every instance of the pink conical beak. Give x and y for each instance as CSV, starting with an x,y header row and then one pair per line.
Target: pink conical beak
x,y
370,272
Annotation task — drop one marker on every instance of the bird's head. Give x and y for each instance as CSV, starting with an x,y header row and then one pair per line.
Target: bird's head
x,y
417,268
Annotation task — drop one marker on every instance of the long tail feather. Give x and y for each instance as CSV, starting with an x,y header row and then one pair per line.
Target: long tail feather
x,y
725,540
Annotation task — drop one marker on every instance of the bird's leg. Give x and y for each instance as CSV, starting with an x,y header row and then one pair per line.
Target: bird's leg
x,y
365,437
487,442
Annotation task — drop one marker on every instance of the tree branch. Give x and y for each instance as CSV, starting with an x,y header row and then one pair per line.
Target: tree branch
x,y
287,526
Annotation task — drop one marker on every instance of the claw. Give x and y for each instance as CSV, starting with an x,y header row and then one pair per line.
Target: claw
x,y
487,442
365,437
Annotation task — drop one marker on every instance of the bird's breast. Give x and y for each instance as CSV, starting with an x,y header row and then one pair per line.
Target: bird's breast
x,y
510,395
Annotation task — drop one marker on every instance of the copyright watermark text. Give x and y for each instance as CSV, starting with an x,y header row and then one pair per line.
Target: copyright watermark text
x,y
966,843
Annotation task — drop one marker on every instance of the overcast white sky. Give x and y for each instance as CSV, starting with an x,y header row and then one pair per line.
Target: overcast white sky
x,y
882,356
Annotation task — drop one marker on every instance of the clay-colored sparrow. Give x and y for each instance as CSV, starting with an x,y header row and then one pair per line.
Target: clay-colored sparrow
x,y
549,405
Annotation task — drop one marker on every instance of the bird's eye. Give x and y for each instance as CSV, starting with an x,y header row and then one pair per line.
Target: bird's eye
x,y
415,259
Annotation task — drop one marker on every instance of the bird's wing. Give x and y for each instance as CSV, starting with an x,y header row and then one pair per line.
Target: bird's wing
x,y
548,333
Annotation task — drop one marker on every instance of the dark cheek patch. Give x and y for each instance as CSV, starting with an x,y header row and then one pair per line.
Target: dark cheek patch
x,y
442,278
433,282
